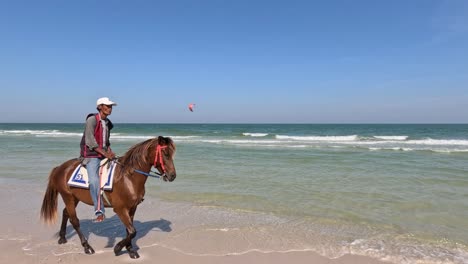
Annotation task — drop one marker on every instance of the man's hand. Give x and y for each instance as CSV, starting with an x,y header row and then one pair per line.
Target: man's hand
x,y
110,154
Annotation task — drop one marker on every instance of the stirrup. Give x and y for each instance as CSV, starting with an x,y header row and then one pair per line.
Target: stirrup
x,y
99,218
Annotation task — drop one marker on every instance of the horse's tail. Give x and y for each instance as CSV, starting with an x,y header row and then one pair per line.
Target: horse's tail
x,y
49,204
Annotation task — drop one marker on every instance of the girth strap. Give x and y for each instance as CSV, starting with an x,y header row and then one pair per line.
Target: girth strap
x,y
105,197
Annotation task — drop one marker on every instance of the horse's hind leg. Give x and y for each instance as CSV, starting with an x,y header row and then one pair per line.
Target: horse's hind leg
x,y
63,227
70,205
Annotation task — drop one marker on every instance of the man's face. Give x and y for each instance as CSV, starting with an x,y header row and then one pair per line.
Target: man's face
x,y
106,109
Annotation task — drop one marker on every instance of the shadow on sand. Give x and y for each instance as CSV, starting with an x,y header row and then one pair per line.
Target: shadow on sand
x,y
115,231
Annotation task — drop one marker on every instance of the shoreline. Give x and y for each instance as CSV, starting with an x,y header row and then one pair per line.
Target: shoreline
x,y
160,236
16,254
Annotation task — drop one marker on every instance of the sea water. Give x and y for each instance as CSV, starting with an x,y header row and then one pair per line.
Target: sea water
x,y
394,192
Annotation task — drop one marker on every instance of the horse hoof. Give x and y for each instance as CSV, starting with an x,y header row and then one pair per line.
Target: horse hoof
x,y
133,254
62,240
117,249
89,250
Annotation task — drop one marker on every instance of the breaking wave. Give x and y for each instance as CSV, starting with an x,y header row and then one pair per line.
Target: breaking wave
x,y
270,140
255,134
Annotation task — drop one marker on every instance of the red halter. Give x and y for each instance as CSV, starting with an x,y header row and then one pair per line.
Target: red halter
x,y
158,157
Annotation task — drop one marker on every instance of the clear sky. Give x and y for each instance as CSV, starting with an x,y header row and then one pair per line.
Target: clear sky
x,y
239,61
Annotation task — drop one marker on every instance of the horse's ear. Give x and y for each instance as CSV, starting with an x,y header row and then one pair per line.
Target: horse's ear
x,y
161,140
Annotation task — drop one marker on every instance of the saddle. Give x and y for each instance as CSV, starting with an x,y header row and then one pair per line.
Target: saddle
x,y
79,176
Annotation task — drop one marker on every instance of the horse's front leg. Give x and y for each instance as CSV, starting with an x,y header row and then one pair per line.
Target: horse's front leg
x,y
127,243
132,252
127,220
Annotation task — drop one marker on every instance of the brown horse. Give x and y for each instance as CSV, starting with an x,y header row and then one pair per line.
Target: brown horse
x,y
128,189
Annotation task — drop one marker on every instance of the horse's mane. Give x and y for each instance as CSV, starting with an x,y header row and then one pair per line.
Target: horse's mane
x,y
137,155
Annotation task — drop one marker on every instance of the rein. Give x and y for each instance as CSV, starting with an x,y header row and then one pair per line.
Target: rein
x,y
157,157
149,174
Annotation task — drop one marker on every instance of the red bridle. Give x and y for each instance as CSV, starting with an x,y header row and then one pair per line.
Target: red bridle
x,y
158,157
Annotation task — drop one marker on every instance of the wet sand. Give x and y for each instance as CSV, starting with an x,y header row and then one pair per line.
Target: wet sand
x,y
167,233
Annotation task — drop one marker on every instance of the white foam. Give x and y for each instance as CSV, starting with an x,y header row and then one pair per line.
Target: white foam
x,y
255,134
116,136
240,141
223,229
40,133
450,150
438,142
397,138
319,138
391,148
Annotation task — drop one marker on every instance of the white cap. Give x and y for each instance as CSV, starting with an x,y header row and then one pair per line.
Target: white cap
x,y
105,100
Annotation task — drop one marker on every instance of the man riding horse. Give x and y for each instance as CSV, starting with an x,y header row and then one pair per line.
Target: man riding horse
x,y
95,146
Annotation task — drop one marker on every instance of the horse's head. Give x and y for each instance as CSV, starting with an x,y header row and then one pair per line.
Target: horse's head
x,y
164,158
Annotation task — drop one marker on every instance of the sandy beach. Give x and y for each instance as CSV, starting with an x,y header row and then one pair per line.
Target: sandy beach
x,y
165,235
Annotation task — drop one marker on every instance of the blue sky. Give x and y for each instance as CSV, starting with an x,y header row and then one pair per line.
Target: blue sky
x,y
238,61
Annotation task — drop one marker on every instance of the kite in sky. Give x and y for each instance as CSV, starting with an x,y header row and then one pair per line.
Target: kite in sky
x,y
190,107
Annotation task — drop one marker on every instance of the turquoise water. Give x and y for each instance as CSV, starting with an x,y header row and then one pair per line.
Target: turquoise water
x,y
396,192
